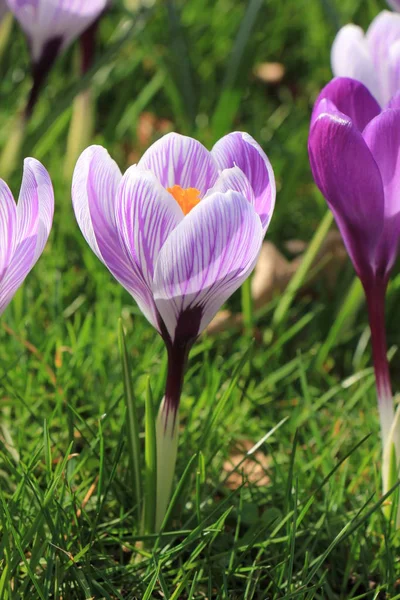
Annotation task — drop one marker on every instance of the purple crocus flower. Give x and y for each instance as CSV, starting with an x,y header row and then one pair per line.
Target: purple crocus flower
x,y
372,58
354,150
181,231
51,26
395,4
24,228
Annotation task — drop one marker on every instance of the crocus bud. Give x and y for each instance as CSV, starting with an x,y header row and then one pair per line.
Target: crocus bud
x,y
372,58
51,26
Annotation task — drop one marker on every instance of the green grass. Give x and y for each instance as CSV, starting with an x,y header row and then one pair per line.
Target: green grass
x,y
69,525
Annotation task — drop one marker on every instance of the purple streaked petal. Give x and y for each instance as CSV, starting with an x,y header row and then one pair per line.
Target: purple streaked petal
x,y
204,260
34,216
8,225
382,136
241,150
180,160
43,20
351,57
234,180
351,98
145,214
95,180
383,32
348,176
94,196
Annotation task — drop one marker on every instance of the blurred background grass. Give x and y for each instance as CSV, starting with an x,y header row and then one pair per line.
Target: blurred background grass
x,y
192,67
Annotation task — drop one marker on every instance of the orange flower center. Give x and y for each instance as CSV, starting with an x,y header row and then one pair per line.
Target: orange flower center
x,y
186,198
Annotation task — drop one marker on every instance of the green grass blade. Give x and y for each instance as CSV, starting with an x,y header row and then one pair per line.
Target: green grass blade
x,y
132,425
150,491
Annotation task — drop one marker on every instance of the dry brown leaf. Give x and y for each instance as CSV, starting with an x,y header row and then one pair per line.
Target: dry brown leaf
x,y
270,72
273,273
251,471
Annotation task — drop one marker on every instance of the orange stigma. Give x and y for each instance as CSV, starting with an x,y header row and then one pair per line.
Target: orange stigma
x,y
186,198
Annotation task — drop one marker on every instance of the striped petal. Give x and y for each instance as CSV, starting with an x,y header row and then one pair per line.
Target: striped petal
x,y
204,260
348,176
383,32
44,20
180,160
145,214
241,150
94,196
234,180
34,217
8,222
351,57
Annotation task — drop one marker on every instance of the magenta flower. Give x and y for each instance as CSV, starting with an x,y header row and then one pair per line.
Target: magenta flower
x,y
24,228
51,26
373,58
180,231
354,150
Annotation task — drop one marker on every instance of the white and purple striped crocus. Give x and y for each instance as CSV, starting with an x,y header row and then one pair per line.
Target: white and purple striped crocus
x,y
51,26
372,58
24,227
181,231
354,149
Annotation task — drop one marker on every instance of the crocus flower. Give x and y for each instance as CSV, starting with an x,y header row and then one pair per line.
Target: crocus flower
x,y
395,4
354,150
24,228
51,26
181,231
372,58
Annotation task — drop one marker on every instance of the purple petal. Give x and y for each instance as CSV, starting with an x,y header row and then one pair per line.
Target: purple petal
x,y
395,4
383,32
382,136
395,101
351,98
204,260
351,57
145,214
241,150
43,20
234,180
34,217
94,196
394,70
180,160
8,221
348,176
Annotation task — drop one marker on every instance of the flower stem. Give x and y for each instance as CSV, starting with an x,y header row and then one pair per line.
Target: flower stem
x,y
375,292
167,428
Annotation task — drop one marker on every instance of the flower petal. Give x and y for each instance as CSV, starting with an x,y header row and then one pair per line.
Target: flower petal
x,y
382,136
8,222
145,214
348,176
44,20
241,150
351,98
383,32
204,260
351,57
234,180
94,196
34,217
394,70
180,160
